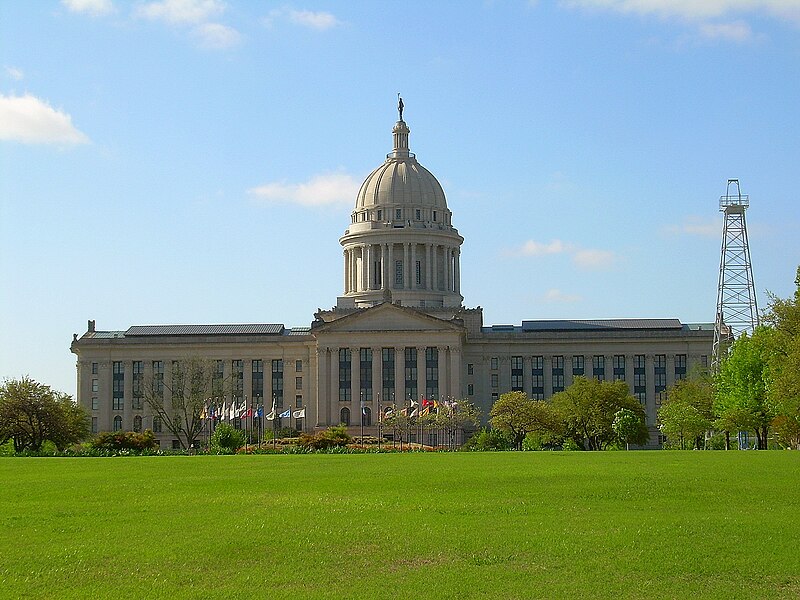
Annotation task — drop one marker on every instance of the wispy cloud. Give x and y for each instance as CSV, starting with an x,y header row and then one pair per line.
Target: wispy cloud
x,y
556,296
731,32
584,258
319,20
94,8
333,189
14,73
696,226
182,11
216,36
695,10
29,120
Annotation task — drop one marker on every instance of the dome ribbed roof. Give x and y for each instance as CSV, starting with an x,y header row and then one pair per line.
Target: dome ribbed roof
x,y
401,180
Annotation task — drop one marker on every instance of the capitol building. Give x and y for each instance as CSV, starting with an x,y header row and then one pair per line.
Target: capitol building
x,y
399,331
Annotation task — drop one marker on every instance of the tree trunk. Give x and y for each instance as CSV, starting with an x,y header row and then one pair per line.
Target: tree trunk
x,y
727,440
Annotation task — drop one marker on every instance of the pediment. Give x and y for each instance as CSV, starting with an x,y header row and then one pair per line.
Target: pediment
x,y
386,318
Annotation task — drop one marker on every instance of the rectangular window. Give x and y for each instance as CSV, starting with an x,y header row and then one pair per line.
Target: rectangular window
x,y
95,385
537,377
516,374
639,378
380,215
94,368
345,375
398,273
431,372
156,424
398,213
558,374
578,367
660,372
418,272
365,370
494,363
599,367
137,385
277,382
298,366
495,380
257,379
470,390
237,379
94,424
117,385
470,368
680,367
158,377
434,215
217,379
298,383
410,373
619,367
298,401
704,361
95,403
418,215
387,374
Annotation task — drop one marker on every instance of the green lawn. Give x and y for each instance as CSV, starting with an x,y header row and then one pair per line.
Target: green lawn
x,y
465,525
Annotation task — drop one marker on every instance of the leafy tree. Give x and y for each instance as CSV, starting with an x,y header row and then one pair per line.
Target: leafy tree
x,y
31,413
783,316
452,417
586,410
226,439
687,411
517,415
488,439
125,440
626,425
335,436
741,401
180,401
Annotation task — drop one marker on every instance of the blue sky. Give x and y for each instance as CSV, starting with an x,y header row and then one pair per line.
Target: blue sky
x,y
195,161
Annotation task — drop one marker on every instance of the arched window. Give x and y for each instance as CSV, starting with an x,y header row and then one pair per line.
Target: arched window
x,y
366,416
117,423
137,424
156,424
345,416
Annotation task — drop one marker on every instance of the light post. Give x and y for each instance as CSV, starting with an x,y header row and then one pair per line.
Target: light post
x,y
362,417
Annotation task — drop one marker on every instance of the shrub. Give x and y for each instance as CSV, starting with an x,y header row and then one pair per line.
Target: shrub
x,y
125,440
332,437
226,439
488,439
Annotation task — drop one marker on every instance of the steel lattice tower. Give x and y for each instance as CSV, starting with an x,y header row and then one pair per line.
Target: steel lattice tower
x,y
737,311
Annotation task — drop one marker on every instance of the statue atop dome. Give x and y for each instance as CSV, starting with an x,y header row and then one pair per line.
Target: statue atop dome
x,y
400,105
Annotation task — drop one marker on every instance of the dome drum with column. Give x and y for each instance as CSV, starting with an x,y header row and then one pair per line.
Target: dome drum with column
x,y
401,243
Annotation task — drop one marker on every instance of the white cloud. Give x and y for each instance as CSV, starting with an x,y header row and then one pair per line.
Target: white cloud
x,y
305,18
594,259
94,8
581,257
182,11
14,73
534,248
696,10
556,296
711,228
216,36
336,189
738,31
29,120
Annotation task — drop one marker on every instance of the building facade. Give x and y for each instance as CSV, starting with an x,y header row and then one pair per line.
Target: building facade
x,y
399,332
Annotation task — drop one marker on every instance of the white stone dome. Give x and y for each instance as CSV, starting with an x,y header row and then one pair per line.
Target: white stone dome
x,y
401,181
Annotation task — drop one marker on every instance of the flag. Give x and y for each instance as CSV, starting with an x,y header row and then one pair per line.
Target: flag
x,y
271,415
300,414
413,403
414,412
426,402
425,411
248,413
286,413
260,412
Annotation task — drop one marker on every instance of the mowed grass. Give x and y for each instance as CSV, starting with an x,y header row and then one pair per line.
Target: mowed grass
x,y
463,525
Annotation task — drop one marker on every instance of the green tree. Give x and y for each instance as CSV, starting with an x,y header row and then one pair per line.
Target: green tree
x,y
226,439
626,425
783,316
741,401
31,413
687,411
517,415
586,410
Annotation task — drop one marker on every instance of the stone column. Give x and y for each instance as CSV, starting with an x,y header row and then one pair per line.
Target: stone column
x,y
670,370
650,375
420,374
346,272
399,377
355,387
377,382
527,376
333,387
428,267
629,378
442,365
406,262
455,371
412,280
390,280
457,271
547,367
446,253
322,388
